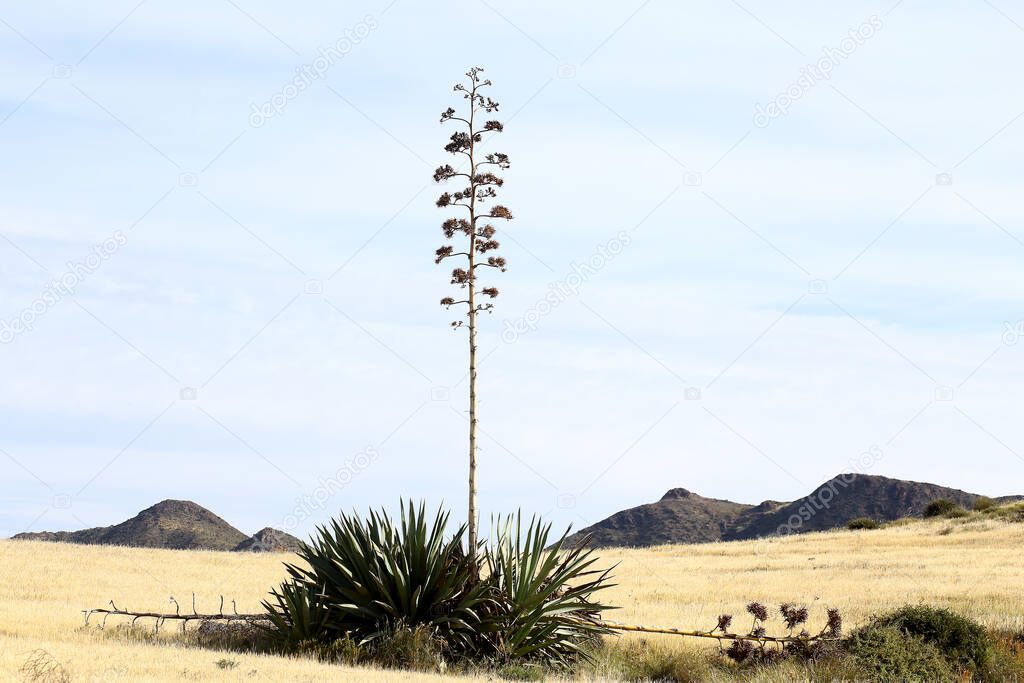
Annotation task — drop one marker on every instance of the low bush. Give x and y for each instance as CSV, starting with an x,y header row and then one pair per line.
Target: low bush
x,y
344,650
644,660
679,661
1007,663
235,635
400,647
862,523
943,507
886,653
42,667
962,641
983,504
872,653
1010,513
417,649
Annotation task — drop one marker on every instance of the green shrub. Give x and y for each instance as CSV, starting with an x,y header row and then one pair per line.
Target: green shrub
x,y
1007,662
984,503
644,660
402,647
943,507
962,641
886,653
1010,513
862,523
407,648
407,594
341,651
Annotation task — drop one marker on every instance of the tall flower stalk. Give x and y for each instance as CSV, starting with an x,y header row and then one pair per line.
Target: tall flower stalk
x,y
472,235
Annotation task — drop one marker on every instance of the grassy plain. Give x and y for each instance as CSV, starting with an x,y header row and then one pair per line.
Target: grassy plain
x,y
971,565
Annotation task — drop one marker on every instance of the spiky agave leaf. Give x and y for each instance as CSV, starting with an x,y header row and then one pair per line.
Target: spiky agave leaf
x,y
547,611
296,614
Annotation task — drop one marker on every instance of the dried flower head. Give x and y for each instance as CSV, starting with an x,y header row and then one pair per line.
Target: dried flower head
x,y
487,179
459,142
792,615
759,611
453,225
834,628
740,650
499,211
498,159
724,622
444,173
442,253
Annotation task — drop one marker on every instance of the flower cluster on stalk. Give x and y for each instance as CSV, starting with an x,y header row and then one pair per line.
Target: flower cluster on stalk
x,y
754,645
482,184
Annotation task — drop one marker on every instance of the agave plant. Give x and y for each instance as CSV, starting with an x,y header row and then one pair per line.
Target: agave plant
x,y
544,593
372,576
367,579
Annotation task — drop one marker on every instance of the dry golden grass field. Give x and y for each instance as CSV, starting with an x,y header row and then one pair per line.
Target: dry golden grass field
x,y
973,566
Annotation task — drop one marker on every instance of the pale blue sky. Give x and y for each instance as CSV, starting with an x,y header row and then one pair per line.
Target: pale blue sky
x,y
821,280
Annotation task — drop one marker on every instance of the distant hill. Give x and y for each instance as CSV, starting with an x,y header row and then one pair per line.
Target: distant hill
x,y
685,517
269,540
679,517
176,524
848,497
